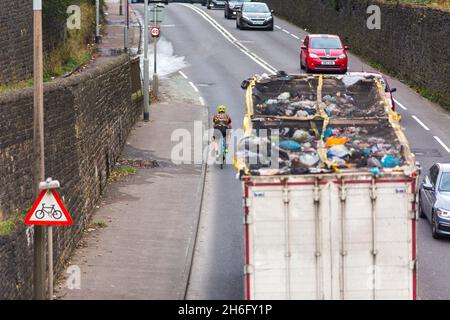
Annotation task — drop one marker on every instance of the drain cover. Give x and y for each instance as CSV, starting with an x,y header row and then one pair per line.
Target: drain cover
x,y
433,153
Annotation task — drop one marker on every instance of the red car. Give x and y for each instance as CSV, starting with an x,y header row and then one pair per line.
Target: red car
x,y
323,52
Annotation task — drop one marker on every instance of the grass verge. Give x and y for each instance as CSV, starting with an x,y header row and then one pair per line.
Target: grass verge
x,y
120,172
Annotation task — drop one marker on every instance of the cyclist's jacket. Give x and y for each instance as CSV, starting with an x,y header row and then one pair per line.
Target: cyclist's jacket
x,y
221,120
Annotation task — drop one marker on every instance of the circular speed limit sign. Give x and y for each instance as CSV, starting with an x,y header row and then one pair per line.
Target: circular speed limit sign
x,y
154,31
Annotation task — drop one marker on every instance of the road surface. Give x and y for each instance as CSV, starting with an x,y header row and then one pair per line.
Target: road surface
x,y
219,57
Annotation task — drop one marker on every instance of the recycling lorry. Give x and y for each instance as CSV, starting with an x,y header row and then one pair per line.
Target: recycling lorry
x,y
333,214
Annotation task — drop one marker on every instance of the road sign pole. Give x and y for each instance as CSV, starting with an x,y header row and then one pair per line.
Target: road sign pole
x,y
38,146
120,10
50,262
146,65
155,41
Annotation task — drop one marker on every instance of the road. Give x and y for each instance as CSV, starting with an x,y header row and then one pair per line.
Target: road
x,y
220,57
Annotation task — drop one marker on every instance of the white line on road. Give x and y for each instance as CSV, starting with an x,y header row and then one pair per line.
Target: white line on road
x,y
232,39
442,144
285,31
400,105
298,38
278,27
202,101
193,86
184,76
421,123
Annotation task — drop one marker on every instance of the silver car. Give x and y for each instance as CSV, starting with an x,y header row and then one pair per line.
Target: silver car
x,y
434,199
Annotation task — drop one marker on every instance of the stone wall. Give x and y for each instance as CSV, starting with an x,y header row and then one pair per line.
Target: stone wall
x,y
87,119
413,42
16,38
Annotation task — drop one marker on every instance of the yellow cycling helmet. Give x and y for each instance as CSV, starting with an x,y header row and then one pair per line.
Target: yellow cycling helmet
x,y
221,108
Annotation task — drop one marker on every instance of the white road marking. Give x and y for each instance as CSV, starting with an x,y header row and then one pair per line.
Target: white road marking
x,y
400,105
183,75
421,123
193,86
285,31
278,27
202,101
298,38
442,144
232,39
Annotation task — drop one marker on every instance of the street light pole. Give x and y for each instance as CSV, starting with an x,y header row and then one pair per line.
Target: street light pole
x,y
126,27
146,65
120,10
38,146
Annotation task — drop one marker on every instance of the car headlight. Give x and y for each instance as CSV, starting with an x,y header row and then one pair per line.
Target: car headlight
x,y
313,55
342,56
443,213
269,18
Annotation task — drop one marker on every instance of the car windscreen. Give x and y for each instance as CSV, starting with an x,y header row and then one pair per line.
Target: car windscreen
x,y
325,43
256,7
445,182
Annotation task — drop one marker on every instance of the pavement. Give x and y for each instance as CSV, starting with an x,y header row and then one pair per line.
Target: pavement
x,y
112,39
140,242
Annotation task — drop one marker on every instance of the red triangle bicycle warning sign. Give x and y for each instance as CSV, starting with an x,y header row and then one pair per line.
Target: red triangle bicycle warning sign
x,y
48,210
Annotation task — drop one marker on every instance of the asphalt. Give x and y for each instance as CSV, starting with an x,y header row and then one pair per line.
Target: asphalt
x,y
217,68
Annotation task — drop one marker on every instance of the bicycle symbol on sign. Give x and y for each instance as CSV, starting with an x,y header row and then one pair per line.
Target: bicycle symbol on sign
x,y
50,211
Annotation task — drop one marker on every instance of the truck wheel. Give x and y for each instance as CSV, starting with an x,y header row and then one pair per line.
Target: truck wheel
x,y
301,63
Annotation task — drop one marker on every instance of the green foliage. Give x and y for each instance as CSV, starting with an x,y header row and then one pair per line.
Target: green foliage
x,y
55,10
9,225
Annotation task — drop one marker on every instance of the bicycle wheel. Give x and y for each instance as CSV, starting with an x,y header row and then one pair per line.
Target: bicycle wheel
x,y
222,152
57,215
39,214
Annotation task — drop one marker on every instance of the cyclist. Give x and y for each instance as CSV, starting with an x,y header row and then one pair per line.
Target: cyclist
x,y
222,122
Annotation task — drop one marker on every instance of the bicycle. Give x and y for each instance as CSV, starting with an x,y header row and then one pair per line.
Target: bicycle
x,y
50,210
221,152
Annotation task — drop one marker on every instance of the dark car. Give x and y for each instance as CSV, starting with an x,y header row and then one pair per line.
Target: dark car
x,y
215,4
232,7
254,15
434,199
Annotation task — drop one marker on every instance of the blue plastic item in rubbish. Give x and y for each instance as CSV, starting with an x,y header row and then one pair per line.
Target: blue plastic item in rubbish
x,y
338,150
327,133
375,171
290,145
389,161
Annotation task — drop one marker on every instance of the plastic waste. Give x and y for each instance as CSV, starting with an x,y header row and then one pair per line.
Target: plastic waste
x,y
284,96
389,161
327,132
375,171
301,114
373,162
290,145
332,141
300,136
338,150
309,159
